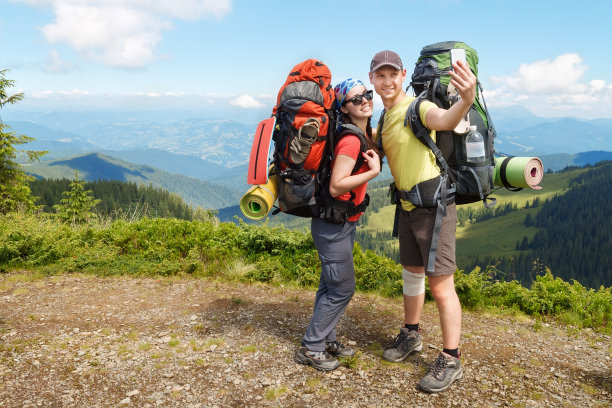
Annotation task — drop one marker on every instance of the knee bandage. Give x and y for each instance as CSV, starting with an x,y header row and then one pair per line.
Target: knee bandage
x,y
414,283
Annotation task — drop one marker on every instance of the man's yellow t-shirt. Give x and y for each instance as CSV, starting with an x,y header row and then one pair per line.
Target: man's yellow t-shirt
x,y
410,161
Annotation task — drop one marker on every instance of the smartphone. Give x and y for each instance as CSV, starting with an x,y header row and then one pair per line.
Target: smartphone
x,y
457,54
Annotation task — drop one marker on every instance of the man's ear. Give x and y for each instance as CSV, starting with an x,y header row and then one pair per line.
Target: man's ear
x,y
371,76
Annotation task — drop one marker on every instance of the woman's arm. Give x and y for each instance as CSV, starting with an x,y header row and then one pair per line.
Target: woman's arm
x,y
341,179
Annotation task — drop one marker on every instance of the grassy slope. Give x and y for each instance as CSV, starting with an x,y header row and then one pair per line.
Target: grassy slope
x,y
496,236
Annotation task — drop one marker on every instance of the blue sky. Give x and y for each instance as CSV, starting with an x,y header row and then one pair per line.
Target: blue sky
x,y
230,57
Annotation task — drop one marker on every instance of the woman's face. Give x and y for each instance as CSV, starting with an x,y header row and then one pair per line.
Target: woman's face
x,y
362,110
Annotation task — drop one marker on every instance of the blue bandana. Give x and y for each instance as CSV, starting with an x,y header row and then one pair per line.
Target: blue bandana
x,y
343,88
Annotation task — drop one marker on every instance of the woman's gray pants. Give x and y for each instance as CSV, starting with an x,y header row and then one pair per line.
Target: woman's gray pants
x,y
334,242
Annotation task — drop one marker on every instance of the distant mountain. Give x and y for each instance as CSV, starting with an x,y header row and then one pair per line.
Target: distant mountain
x,y
514,118
556,162
174,163
50,139
95,166
565,135
223,142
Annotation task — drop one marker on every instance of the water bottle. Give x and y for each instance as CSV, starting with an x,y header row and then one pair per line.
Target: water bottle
x,y
474,146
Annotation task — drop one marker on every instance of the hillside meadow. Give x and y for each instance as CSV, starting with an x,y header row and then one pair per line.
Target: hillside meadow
x,y
261,253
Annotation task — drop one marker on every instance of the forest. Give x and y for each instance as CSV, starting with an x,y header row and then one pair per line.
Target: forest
x,y
118,199
574,237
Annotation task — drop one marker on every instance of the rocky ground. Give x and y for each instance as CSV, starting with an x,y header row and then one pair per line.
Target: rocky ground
x,y
82,341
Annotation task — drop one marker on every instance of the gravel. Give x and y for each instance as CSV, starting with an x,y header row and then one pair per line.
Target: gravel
x,y
84,341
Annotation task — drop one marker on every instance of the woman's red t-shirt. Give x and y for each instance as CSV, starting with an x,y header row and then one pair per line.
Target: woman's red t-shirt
x,y
351,146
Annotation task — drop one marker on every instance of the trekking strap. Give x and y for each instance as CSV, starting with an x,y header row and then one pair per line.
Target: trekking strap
x,y
345,207
504,177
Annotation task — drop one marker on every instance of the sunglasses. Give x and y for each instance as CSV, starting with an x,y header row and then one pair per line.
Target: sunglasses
x,y
357,100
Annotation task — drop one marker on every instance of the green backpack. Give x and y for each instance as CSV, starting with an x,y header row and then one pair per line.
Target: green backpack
x,y
430,80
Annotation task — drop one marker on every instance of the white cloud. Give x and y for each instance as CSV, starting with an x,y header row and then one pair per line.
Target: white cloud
x,y
122,33
74,93
556,76
553,88
246,101
56,64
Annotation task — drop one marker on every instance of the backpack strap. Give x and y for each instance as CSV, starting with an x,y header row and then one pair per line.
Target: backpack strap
x,y
338,211
379,128
350,129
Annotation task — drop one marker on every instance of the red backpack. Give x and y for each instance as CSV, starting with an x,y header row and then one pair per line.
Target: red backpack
x,y
303,114
304,138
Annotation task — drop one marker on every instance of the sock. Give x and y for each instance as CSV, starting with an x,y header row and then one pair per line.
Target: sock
x,y
412,327
453,352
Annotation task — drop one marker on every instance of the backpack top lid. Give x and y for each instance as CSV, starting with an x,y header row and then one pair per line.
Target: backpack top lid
x,y
310,70
440,52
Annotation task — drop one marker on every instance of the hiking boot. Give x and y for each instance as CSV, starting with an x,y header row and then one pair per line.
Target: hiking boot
x,y
300,145
443,372
405,343
337,349
321,360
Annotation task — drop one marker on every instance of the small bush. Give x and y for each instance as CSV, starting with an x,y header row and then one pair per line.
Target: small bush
x,y
167,247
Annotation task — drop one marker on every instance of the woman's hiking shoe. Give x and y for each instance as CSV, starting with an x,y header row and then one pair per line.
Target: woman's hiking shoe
x,y
337,349
443,372
321,360
405,343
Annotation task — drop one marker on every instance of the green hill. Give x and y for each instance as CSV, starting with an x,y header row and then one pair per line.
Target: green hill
x,y
118,199
484,238
96,166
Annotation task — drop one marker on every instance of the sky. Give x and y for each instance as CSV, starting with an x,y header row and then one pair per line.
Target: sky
x,y
230,57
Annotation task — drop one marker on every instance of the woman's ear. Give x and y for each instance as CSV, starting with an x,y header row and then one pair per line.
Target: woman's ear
x,y
344,110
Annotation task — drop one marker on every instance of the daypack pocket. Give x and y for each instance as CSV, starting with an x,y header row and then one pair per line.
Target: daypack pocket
x,y
296,189
474,183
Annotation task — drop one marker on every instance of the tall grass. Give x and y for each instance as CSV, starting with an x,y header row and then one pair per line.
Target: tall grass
x,y
251,253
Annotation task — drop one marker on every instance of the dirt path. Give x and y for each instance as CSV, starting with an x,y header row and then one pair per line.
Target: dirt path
x,y
81,341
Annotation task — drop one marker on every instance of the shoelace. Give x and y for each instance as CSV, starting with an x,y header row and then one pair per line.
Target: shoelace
x,y
319,355
399,339
438,366
335,346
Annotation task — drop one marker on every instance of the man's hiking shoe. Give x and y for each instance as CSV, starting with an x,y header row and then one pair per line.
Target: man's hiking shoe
x,y
443,372
405,343
339,350
321,360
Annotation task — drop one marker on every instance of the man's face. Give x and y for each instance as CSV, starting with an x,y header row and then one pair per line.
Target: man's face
x,y
387,82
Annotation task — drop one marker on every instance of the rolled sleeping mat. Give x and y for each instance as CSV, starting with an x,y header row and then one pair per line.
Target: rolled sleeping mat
x,y
518,172
257,202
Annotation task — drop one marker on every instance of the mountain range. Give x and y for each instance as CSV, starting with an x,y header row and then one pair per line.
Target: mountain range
x,y
96,166
216,151
227,143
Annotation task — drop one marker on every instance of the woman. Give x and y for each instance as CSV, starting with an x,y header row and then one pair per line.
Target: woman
x,y
334,242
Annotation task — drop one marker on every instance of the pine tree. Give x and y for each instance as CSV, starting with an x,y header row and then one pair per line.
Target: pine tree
x,y
76,207
14,189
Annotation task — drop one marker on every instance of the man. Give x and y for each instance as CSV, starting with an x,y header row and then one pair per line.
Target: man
x,y
411,162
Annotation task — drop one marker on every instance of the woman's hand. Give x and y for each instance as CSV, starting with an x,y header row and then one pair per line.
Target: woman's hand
x,y
373,161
